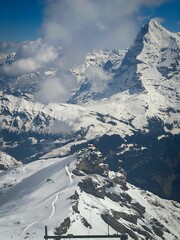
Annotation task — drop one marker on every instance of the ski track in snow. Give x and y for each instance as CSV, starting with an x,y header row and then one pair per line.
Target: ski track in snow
x,y
54,204
25,230
70,175
54,201
57,195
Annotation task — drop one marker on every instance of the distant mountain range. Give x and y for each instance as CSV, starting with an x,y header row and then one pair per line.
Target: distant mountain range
x,y
120,124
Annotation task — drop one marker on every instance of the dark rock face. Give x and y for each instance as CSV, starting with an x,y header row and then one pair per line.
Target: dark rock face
x,y
131,219
91,187
119,227
90,168
62,229
151,163
85,223
128,217
115,197
90,161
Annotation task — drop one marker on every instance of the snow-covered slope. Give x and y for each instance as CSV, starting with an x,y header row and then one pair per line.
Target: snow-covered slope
x,y
96,64
147,81
93,76
79,195
22,114
129,105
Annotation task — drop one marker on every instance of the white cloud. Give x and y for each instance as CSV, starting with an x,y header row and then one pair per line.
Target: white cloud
x,y
159,19
61,127
7,47
31,56
56,89
20,67
81,26
81,21
97,76
78,27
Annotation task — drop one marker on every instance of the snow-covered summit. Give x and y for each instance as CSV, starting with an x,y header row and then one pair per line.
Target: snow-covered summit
x,y
148,75
120,101
93,76
124,125
152,59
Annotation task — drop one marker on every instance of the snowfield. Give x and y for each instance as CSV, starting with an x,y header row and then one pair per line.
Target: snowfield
x,y
38,194
127,105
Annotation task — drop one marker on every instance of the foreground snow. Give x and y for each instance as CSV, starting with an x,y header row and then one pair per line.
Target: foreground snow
x,y
34,200
37,194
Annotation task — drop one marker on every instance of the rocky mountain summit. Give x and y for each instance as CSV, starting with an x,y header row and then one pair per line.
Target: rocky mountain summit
x,y
132,114
94,160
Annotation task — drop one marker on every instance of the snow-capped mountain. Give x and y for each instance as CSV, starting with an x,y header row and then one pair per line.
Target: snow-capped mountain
x,y
127,106
80,195
94,75
5,49
141,108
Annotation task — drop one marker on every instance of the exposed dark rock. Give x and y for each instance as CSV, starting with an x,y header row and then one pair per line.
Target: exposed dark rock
x,y
158,225
126,196
75,196
146,228
119,178
138,207
3,167
158,231
128,217
75,207
90,167
142,232
115,197
90,161
117,226
109,183
78,172
92,187
85,223
49,180
62,229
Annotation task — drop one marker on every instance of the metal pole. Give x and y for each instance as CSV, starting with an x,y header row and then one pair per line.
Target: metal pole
x,y
46,233
108,222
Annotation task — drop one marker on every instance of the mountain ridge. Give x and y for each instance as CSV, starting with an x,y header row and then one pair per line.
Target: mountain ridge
x,y
91,153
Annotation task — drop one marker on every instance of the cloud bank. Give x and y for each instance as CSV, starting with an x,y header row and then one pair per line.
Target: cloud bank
x,y
71,29
30,57
93,23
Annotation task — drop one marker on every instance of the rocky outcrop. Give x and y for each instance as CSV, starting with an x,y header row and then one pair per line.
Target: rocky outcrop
x,y
90,161
128,217
119,227
64,226
118,177
6,161
92,186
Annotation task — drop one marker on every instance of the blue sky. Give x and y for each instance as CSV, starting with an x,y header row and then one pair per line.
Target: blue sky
x,y
169,11
22,19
